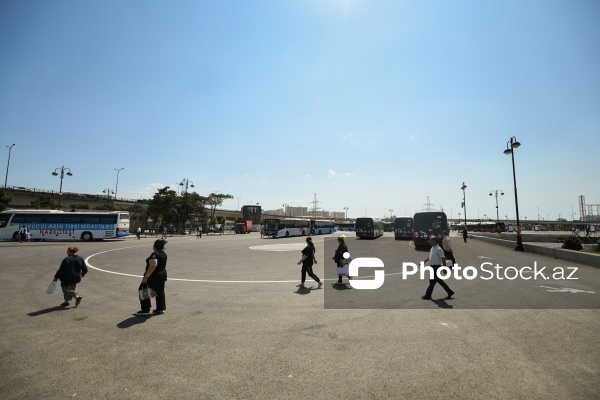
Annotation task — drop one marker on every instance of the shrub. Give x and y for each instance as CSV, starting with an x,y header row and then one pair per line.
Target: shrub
x,y
572,243
597,249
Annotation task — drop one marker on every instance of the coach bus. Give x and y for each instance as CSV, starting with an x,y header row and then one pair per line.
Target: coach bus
x,y
286,227
346,226
56,224
426,224
403,228
370,228
322,226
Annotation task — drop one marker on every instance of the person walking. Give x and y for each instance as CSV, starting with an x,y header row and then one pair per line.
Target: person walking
x,y
200,231
307,260
139,232
465,234
155,277
23,234
71,270
436,260
447,247
338,257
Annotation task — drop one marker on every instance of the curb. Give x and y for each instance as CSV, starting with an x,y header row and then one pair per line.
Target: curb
x,y
592,260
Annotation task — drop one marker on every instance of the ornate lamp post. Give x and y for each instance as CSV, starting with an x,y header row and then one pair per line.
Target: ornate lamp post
x,y
108,192
184,185
501,194
8,164
62,175
511,145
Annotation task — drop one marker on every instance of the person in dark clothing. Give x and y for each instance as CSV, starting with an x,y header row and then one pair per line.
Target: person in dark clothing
x,y
465,235
71,270
338,257
155,277
307,260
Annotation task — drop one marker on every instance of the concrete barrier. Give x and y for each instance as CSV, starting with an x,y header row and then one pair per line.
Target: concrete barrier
x,y
593,260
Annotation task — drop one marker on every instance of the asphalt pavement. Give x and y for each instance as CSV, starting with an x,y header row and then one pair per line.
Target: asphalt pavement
x,y
237,327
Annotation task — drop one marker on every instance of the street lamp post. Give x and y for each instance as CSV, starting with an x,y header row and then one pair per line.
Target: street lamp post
x,y
184,185
501,194
464,203
62,175
391,214
8,164
511,145
108,192
117,185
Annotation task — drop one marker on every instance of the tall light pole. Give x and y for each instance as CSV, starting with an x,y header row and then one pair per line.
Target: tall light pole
x,y
572,214
8,164
391,214
346,210
117,185
464,203
62,175
511,145
501,194
238,198
538,213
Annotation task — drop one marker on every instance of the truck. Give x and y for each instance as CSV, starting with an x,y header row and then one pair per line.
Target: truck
x,y
243,226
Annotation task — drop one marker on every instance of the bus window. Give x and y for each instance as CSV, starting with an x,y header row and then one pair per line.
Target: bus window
x,y
4,219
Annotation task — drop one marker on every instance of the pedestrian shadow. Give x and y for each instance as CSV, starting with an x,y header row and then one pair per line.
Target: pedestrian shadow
x,y
47,310
441,303
305,290
342,286
131,321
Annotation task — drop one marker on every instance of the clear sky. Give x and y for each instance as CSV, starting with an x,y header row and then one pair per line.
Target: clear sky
x,y
372,105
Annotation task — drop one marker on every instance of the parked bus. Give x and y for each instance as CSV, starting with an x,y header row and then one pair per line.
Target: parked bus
x,y
370,228
346,226
426,224
56,224
322,226
486,226
388,227
286,227
403,228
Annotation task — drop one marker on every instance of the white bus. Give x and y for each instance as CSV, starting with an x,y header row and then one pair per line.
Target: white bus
x,y
55,224
286,227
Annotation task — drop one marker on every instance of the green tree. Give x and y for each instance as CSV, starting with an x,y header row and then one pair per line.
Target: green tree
x,y
43,202
5,199
215,200
165,207
106,206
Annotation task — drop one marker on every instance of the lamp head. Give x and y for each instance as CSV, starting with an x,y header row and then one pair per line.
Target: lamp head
x,y
70,173
515,144
508,151
54,173
501,193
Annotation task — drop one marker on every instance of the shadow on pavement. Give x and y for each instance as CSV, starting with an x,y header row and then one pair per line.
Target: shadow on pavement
x,y
305,290
131,321
441,303
47,310
343,286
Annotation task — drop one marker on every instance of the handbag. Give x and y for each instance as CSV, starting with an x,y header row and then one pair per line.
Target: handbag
x,y
146,293
342,271
51,288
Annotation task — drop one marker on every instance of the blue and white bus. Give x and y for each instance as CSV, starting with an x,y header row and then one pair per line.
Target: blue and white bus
x,y
346,226
56,224
322,226
286,227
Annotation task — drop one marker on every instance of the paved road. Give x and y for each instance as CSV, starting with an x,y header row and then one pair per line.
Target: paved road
x,y
237,327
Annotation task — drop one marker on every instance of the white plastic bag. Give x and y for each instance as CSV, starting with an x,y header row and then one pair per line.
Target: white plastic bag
x,y
51,288
146,293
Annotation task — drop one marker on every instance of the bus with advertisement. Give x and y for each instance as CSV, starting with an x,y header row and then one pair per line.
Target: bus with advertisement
x,y
57,224
427,224
346,226
486,226
286,227
403,228
369,228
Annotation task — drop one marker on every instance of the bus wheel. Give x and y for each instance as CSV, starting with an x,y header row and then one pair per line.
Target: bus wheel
x,y
87,236
15,236
287,234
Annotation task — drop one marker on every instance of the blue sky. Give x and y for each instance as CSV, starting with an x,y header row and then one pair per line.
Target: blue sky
x,y
372,105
